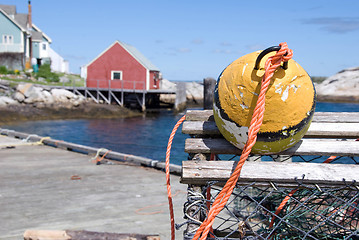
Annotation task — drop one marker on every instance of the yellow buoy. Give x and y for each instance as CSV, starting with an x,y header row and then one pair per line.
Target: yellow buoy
x,y
289,106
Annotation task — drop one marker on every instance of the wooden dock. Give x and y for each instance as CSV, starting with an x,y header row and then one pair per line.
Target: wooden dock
x,y
48,188
123,96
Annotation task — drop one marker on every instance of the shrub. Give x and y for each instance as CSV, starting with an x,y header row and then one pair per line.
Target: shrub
x,y
45,72
3,70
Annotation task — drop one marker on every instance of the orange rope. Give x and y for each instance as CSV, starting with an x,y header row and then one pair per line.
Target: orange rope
x,y
281,206
98,159
168,180
272,63
286,199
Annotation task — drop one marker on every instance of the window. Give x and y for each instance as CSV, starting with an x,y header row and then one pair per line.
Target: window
x,y
44,46
116,75
7,39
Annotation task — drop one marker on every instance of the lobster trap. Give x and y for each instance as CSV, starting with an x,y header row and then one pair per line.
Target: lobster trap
x,y
309,191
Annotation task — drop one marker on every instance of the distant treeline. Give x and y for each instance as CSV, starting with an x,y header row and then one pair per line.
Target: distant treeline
x,y
318,79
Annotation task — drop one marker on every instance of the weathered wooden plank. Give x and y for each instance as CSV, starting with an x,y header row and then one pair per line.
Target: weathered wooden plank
x,y
200,128
316,129
80,235
334,130
350,117
307,146
337,117
199,115
200,172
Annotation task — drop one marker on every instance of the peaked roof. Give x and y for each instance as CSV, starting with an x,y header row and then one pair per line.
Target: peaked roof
x,y
21,20
9,9
9,16
134,53
139,56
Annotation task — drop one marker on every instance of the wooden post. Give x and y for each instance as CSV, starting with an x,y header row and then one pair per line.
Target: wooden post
x,y
208,90
109,92
122,99
98,97
143,101
181,98
78,235
194,193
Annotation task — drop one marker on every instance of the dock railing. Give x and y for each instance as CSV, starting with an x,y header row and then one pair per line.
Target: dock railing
x,y
117,84
297,194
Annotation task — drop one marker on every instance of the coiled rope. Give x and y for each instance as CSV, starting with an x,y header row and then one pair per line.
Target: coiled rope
x,y
283,55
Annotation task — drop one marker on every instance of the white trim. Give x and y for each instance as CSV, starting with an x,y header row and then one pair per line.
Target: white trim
x,y
12,20
148,79
43,34
103,52
116,71
22,42
124,47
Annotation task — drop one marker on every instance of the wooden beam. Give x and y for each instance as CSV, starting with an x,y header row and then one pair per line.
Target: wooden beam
x,y
176,169
307,146
78,92
103,97
80,235
316,129
93,98
350,117
336,117
200,172
116,99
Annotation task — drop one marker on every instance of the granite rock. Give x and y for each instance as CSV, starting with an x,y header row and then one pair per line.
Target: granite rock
x,y
343,86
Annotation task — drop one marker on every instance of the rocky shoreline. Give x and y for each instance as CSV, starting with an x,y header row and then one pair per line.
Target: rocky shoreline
x,y
341,87
26,102
16,113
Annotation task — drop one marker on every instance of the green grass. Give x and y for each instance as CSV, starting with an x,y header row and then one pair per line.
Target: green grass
x,y
79,82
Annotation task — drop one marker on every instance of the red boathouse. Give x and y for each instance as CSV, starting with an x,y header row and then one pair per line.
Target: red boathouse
x,y
122,66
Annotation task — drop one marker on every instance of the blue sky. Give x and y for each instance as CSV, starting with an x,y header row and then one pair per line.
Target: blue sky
x,y
194,39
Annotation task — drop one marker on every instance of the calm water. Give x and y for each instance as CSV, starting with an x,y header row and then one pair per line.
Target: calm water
x,y
143,136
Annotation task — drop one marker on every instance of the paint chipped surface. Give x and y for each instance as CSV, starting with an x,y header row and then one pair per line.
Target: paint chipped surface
x,y
294,87
278,88
243,106
240,134
238,90
285,94
244,68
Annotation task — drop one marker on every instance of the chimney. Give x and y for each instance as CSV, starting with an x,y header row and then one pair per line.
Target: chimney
x,y
29,15
30,29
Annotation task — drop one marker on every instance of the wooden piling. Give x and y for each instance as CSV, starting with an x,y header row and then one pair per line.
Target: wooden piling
x,y
208,90
181,98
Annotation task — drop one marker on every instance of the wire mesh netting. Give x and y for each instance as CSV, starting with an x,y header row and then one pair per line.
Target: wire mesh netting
x,y
276,211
